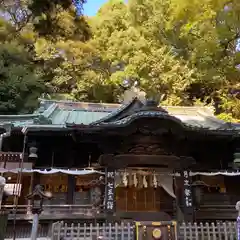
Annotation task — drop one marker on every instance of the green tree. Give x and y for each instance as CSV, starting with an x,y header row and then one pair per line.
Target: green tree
x,y
202,33
20,79
133,55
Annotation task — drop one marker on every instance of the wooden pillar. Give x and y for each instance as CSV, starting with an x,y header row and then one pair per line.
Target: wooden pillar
x,y
187,200
110,191
71,189
71,180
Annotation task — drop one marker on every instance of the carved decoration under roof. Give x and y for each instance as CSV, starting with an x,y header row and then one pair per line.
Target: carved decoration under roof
x,y
160,161
143,145
145,148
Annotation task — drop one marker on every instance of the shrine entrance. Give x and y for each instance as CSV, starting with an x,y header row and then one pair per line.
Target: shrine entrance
x,y
150,199
144,162
143,193
138,199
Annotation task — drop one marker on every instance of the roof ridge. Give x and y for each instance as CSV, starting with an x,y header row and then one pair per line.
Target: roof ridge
x,y
79,102
23,116
189,107
120,109
49,111
211,117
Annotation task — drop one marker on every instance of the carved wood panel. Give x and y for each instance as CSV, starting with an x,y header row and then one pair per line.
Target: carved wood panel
x,y
144,145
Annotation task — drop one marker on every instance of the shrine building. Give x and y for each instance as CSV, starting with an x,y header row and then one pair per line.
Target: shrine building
x,y
134,161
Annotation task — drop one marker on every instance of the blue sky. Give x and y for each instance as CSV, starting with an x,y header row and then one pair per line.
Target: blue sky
x,y
92,6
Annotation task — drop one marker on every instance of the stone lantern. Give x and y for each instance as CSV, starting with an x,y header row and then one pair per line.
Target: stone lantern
x,y
37,197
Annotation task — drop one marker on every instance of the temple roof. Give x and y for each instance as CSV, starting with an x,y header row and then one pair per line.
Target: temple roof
x,y
64,113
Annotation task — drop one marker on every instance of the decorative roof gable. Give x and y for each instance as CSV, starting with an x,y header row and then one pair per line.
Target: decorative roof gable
x,y
64,114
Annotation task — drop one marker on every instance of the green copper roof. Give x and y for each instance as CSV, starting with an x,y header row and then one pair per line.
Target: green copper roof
x,y
59,113
62,116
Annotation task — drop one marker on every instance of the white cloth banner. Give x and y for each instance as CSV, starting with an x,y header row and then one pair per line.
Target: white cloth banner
x,y
165,177
166,182
51,171
215,173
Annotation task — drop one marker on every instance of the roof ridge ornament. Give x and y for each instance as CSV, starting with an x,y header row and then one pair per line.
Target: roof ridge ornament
x,y
132,93
152,104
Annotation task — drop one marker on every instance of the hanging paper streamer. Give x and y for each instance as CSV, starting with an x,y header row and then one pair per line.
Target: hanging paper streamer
x,y
125,179
145,183
135,180
155,182
78,7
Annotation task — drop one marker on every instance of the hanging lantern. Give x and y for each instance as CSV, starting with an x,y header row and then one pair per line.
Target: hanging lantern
x,y
33,152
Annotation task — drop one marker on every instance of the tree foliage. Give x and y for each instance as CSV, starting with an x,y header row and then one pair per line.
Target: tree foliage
x,y
185,51
26,69
20,80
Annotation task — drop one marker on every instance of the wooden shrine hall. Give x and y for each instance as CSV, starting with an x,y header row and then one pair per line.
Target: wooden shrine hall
x,y
135,161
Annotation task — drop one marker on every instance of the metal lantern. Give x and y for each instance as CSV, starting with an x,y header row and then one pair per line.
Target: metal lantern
x,y
37,197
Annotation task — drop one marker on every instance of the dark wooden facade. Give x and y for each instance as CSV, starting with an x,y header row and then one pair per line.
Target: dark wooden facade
x,y
137,136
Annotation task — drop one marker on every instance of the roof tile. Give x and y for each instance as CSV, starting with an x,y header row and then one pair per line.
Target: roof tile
x,y
58,113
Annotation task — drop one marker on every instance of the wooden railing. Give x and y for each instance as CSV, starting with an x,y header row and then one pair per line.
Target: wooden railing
x,y
52,211
205,213
216,212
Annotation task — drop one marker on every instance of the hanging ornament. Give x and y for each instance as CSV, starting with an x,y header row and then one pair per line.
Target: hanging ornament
x,y
145,184
135,180
117,179
159,180
155,182
130,179
125,180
